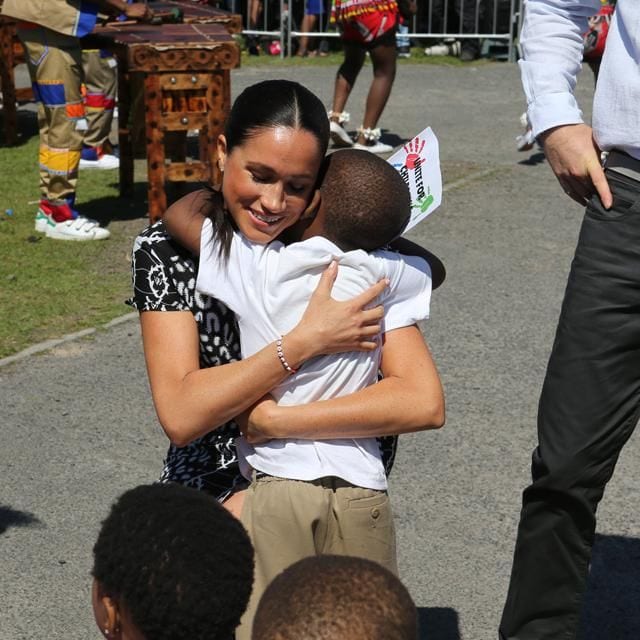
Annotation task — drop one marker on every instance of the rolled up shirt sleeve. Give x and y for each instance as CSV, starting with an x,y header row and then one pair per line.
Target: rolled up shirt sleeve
x,y
552,46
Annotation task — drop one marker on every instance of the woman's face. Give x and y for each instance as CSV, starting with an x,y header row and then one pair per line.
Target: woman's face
x,y
269,179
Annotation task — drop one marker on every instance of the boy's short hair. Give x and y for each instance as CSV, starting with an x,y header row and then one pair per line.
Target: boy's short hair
x,y
177,561
367,203
336,598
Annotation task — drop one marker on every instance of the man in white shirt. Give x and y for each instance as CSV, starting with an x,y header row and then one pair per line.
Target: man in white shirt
x,y
590,400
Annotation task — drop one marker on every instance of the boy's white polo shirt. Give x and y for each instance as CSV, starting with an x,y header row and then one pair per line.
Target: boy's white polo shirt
x,y
268,287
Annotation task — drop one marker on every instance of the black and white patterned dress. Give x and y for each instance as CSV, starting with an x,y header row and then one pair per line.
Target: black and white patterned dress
x,y
164,279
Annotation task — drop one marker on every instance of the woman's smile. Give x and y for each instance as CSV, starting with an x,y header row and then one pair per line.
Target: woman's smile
x,y
267,219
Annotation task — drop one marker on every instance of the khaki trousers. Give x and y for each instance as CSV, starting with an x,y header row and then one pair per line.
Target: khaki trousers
x,y
55,67
288,520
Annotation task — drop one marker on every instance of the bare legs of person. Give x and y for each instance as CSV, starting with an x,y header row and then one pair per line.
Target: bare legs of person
x,y
308,24
383,58
255,13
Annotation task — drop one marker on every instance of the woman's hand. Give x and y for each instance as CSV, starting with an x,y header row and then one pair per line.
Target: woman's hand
x,y
329,326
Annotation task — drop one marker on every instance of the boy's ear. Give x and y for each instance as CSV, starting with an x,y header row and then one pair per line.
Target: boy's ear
x,y
106,613
312,208
222,151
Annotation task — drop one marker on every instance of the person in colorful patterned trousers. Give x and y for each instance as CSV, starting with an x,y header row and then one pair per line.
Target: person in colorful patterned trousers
x,y
50,33
365,26
101,87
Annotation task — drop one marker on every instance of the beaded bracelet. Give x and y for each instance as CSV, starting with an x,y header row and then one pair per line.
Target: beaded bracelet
x,y
283,360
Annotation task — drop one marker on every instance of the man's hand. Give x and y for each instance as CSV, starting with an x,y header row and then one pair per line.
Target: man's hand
x,y
138,11
575,159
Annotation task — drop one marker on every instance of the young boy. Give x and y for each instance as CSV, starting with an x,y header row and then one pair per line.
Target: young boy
x,y
320,496
336,598
170,562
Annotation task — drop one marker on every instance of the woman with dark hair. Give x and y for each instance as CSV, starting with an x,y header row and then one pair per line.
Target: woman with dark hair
x,y
274,141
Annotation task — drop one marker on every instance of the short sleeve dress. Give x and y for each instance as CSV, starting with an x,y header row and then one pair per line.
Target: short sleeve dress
x,y
164,279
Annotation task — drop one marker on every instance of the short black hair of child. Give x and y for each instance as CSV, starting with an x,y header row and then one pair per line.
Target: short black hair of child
x,y
331,597
367,203
177,561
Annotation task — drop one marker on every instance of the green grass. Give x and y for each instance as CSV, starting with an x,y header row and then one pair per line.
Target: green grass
x,y
334,59
49,287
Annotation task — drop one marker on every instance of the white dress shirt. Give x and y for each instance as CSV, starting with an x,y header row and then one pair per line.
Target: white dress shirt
x,y
552,47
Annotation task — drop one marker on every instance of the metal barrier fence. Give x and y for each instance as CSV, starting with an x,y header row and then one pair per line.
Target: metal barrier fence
x,y
435,20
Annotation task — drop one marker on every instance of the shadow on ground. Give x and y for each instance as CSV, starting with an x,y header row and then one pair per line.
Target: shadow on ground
x,y
13,518
533,159
393,139
27,127
133,207
610,610
438,623
112,208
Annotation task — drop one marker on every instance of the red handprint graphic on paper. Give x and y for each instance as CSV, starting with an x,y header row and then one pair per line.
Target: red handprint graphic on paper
x,y
414,149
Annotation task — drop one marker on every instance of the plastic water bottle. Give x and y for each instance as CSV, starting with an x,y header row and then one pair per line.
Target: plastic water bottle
x,y
403,43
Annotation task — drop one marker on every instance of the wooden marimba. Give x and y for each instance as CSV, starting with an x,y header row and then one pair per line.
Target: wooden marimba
x,y
185,70
11,54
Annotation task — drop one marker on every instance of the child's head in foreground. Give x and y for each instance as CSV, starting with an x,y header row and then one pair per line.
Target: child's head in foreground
x,y
365,202
170,563
336,598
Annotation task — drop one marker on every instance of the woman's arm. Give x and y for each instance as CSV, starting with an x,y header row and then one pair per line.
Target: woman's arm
x,y
191,401
409,398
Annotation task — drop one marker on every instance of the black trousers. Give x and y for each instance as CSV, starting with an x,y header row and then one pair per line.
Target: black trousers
x,y
589,407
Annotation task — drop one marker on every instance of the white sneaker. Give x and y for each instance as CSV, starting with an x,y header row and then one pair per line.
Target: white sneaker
x,y
106,161
376,147
79,229
525,141
373,144
338,134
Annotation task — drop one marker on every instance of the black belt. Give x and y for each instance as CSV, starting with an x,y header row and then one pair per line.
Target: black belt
x,y
623,163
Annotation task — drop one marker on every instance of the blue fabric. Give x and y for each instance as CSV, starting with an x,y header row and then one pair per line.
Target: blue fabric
x,y
71,201
89,153
51,95
314,8
87,19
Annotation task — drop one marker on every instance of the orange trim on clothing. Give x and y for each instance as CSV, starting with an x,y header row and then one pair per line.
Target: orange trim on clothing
x,y
75,110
